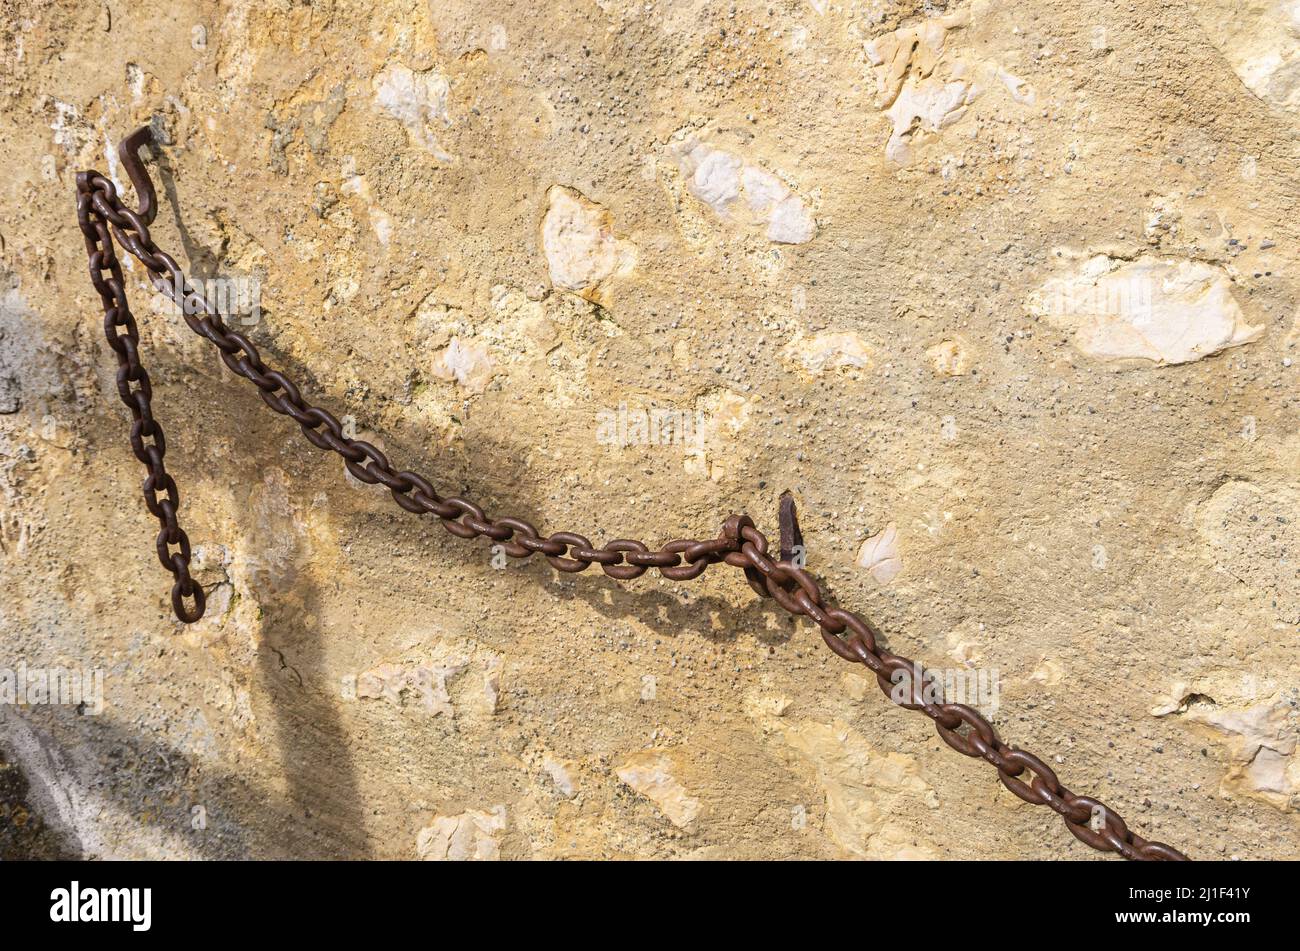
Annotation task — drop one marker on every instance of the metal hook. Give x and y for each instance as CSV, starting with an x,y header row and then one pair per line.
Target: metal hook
x,y
129,153
788,519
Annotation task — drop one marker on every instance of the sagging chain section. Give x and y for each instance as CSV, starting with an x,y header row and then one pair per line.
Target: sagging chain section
x,y
103,218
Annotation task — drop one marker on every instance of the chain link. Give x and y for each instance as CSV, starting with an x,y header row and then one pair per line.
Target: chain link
x,y
104,218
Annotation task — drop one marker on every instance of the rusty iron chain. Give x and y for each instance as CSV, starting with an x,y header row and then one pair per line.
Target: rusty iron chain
x,y
103,218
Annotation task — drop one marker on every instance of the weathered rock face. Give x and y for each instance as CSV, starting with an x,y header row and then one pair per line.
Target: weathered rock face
x,y
1260,40
1005,293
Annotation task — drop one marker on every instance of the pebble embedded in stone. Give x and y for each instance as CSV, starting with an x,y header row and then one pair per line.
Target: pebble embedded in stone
x,y
582,251
880,555
465,363
471,836
744,193
418,100
1145,311
651,774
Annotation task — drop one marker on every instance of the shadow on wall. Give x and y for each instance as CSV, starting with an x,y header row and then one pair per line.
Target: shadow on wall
x,y
92,778
24,833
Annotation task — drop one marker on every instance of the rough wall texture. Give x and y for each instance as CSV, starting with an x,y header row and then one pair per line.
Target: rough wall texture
x,y
1002,291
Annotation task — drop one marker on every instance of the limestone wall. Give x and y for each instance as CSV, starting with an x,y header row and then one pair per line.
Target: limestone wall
x,y
1003,292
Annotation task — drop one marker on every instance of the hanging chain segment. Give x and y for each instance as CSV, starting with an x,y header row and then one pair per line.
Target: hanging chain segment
x,y
103,218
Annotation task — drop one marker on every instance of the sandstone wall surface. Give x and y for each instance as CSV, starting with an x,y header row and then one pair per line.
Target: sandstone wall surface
x,y
1003,292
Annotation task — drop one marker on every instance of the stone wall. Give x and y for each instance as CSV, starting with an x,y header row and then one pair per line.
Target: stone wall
x,y
1003,292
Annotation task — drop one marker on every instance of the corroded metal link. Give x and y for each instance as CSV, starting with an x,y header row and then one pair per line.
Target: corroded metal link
x,y
120,330
104,218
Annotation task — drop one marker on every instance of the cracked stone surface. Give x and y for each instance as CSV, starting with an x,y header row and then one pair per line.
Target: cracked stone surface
x,y
892,256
